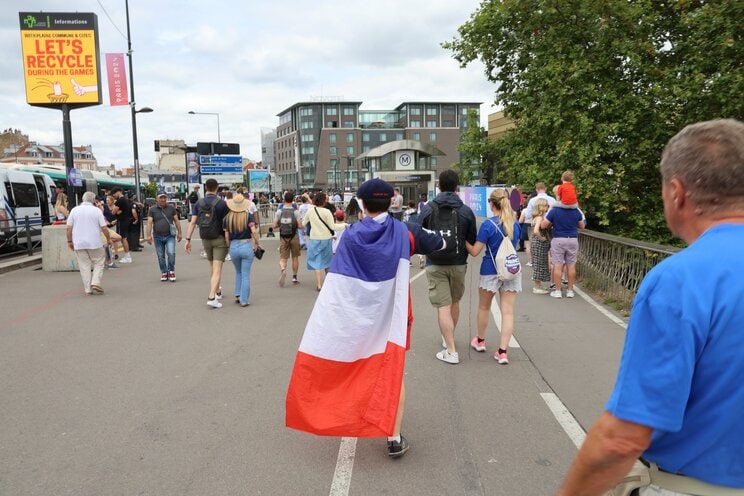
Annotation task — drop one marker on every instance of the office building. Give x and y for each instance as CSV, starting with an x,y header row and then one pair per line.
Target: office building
x,y
337,145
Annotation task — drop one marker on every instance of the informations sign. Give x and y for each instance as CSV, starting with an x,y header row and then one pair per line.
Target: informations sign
x,y
61,64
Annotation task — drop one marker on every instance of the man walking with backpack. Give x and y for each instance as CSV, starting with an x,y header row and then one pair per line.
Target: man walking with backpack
x,y
288,221
455,222
209,213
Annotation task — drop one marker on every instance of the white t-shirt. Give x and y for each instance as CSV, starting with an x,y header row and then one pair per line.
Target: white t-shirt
x,y
531,205
397,204
86,220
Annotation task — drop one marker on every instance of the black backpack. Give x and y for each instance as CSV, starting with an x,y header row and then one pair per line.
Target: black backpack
x,y
207,220
193,197
287,223
446,221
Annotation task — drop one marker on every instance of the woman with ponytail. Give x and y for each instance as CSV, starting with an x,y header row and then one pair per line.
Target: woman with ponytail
x,y
503,227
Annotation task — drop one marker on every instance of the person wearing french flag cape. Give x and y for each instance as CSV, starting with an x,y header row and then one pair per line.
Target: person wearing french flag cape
x,y
348,374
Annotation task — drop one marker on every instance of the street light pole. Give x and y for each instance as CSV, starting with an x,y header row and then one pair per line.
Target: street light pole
x,y
132,106
219,138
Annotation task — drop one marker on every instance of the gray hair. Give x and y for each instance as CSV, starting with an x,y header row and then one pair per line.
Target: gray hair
x,y
708,158
89,197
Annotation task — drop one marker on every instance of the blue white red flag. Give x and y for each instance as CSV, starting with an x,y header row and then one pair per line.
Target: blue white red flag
x,y
348,371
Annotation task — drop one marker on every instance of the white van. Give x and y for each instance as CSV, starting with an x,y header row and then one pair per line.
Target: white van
x,y
24,194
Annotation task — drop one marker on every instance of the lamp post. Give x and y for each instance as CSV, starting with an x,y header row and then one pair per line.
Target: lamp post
x,y
219,139
132,106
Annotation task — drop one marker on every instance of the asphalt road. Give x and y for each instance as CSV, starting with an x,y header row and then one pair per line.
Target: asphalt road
x,y
147,391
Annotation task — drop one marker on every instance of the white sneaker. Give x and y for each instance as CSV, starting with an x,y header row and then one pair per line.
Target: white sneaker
x,y
556,294
214,303
203,254
126,258
569,293
228,258
540,291
448,357
529,264
218,296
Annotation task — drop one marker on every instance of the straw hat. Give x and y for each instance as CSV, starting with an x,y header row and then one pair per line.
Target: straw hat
x,y
238,203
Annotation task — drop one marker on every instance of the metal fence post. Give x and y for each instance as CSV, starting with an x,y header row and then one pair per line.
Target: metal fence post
x,y
29,246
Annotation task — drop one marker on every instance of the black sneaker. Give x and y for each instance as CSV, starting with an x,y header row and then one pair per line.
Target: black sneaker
x,y
397,449
552,286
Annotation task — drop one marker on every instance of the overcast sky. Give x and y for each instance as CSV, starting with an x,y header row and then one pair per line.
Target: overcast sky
x,y
247,61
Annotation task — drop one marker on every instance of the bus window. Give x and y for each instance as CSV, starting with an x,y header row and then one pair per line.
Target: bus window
x,y
25,195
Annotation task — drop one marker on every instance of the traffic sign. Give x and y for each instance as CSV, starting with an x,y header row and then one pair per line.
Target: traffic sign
x,y
220,159
221,169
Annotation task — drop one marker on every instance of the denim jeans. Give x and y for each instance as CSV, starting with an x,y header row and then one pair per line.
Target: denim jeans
x,y
165,247
241,253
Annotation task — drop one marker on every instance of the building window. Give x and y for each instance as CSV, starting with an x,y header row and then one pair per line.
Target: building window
x,y
307,137
308,150
432,137
431,123
448,123
348,110
333,150
417,136
415,111
306,111
348,124
350,137
307,125
398,136
332,124
365,148
383,137
431,111
331,111
365,137
433,161
332,138
350,150
415,123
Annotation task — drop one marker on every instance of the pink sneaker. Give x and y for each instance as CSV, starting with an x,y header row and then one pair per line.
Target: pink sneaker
x,y
501,358
478,346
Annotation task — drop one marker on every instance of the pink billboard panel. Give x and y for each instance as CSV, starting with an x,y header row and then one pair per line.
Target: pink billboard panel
x,y
117,79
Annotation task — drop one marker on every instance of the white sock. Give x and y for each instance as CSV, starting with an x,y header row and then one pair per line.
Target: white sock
x,y
394,438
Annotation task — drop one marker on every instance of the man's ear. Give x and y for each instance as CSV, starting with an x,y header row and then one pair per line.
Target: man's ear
x,y
678,193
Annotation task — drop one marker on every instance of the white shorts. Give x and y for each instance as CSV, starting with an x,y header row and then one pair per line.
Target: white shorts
x,y
494,284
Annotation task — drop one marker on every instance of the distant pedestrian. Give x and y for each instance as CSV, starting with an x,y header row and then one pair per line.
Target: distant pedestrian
x,y
676,407
209,213
84,227
124,215
239,235
61,206
455,222
320,244
353,212
164,230
289,223
540,244
502,227
564,246
396,205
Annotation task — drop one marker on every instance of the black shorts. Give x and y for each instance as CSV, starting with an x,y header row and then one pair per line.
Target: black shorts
x,y
124,226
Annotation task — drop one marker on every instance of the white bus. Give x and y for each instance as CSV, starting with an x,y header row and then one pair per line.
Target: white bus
x,y
24,194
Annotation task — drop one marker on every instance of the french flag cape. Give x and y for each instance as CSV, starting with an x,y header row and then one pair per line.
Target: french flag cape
x,y
348,371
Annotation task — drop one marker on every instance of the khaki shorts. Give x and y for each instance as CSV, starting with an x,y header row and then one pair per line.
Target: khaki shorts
x,y
446,284
216,249
287,245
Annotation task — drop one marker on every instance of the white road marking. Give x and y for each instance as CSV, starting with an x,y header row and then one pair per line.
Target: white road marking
x,y
344,466
617,320
565,419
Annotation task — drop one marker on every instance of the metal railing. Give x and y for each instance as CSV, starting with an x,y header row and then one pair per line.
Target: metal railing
x,y
19,236
612,267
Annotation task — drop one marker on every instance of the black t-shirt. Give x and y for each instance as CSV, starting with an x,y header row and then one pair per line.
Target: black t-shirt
x,y
125,210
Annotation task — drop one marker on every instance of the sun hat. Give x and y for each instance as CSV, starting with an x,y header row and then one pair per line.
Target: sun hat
x,y
237,203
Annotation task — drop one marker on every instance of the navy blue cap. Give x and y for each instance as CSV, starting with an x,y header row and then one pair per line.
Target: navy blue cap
x,y
375,188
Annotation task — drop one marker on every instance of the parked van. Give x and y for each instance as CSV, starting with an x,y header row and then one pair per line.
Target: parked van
x,y
24,194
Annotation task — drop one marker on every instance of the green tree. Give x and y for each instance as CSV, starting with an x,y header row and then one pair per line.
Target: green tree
x,y
599,87
151,190
478,153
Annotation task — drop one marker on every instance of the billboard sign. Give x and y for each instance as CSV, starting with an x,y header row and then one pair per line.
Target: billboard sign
x,y
117,80
259,181
221,159
61,65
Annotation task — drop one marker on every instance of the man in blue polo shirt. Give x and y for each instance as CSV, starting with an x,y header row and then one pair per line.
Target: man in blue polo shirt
x,y
679,395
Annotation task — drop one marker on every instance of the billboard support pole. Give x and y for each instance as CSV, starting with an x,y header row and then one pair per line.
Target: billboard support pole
x,y
69,157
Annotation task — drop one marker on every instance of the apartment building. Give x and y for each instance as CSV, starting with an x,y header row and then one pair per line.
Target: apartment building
x,y
33,153
337,144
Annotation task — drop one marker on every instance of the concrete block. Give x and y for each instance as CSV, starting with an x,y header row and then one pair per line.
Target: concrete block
x,y
56,256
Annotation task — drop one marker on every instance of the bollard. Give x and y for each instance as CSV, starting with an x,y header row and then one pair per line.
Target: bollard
x,y
29,246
